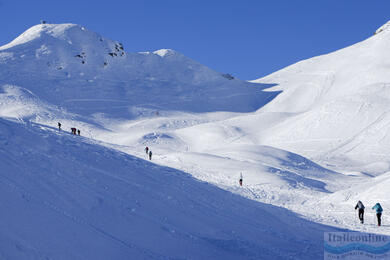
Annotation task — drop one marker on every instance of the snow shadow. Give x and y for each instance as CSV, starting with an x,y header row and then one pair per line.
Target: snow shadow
x,y
120,100
110,205
296,181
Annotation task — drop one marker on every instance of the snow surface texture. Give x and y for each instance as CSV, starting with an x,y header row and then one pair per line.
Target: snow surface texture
x,y
338,105
330,109
86,73
61,199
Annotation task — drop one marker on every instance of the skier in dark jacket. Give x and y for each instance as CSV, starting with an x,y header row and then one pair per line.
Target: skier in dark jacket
x,y
78,131
360,206
379,210
59,126
150,155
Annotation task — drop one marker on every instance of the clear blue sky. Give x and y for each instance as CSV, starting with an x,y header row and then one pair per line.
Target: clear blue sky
x,y
248,39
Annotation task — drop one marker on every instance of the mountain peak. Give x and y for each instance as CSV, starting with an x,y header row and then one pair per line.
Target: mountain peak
x,y
42,30
384,27
165,52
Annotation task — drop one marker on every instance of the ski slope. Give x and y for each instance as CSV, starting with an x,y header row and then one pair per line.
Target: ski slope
x,y
67,197
310,139
339,107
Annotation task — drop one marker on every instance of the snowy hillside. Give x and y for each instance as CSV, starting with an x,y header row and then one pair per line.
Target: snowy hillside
x,y
338,107
68,65
61,199
311,138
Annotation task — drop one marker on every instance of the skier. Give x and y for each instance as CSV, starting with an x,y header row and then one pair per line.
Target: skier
x,y
240,181
360,206
150,155
59,126
146,150
78,131
73,130
379,210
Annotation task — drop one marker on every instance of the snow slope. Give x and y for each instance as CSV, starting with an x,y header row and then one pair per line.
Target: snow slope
x,y
314,143
57,73
338,105
68,65
66,197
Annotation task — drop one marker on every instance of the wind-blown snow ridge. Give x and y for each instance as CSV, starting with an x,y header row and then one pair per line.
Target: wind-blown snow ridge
x,y
165,52
384,27
37,31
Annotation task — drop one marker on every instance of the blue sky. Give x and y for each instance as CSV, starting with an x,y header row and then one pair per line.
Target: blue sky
x,y
247,38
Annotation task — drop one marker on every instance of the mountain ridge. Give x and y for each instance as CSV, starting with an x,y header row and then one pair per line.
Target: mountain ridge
x,y
62,55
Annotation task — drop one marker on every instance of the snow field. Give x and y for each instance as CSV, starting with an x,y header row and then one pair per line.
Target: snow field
x,y
315,142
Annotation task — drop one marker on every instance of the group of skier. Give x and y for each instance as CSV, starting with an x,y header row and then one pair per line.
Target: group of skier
x,y
73,129
377,207
148,152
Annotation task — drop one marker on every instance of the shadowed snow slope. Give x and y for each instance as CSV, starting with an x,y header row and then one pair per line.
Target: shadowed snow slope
x,y
64,197
338,105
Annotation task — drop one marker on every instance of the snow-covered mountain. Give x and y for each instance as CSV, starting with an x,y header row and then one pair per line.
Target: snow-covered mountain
x,y
86,73
337,106
310,138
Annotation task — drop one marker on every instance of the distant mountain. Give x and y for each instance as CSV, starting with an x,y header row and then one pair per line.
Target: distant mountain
x,y
69,65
